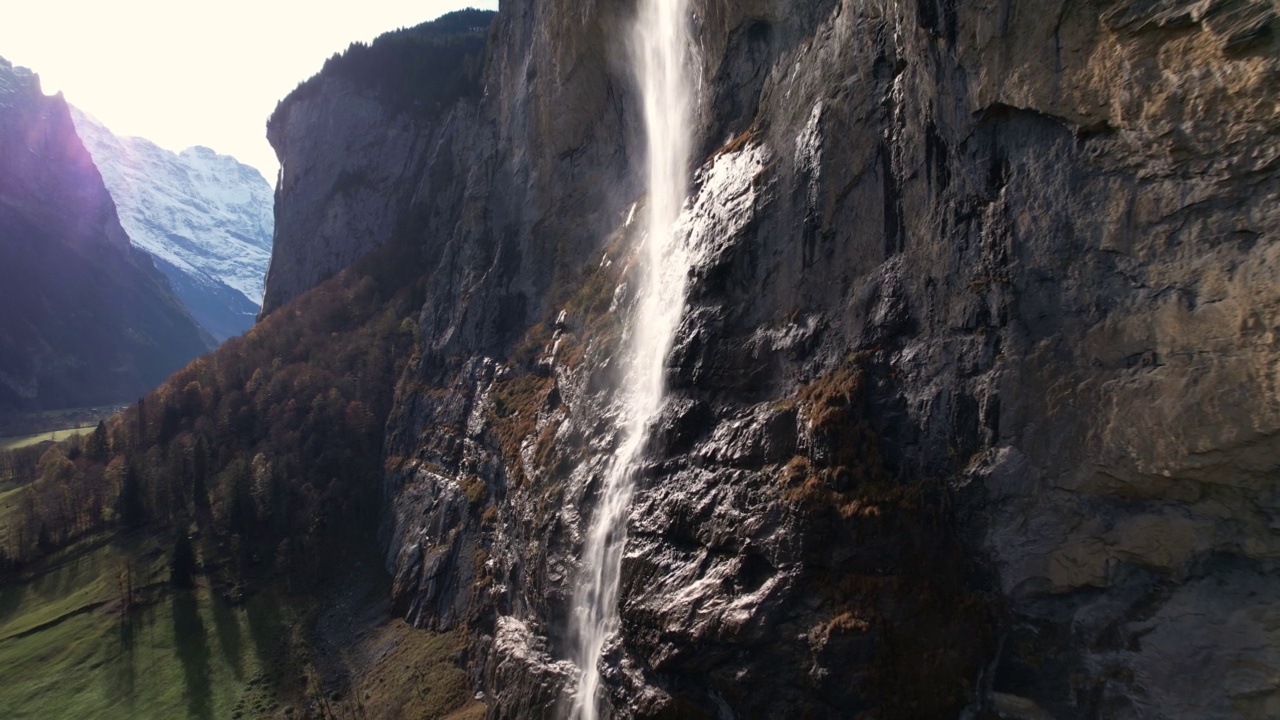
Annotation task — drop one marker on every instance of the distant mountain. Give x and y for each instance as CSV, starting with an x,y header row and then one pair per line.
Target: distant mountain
x,y
85,317
206,219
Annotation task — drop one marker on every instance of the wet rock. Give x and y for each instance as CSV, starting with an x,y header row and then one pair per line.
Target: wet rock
x,y
532,683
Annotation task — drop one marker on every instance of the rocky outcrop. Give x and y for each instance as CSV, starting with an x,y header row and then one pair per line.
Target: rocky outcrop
x,y
972,410
85,318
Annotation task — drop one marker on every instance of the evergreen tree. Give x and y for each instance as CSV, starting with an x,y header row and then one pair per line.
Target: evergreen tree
x,y
130,508
142,420
98,447
200,475
241,514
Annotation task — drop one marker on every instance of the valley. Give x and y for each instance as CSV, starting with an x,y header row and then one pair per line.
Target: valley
x,y
693,359
86,319
19,430
205,219
20,441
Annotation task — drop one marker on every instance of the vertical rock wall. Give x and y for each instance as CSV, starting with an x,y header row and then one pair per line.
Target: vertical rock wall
x,y
973,407
349,166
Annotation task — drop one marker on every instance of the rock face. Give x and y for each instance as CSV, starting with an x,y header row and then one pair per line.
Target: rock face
x,y
353,152
205,219
85,318
973,409
341,200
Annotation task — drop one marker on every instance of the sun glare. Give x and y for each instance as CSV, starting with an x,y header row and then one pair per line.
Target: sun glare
x,y
183,74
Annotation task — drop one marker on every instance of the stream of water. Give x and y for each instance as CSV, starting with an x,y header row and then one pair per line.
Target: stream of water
x,y
661,53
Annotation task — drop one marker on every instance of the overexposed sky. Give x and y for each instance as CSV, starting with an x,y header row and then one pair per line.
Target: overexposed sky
x,y
183,74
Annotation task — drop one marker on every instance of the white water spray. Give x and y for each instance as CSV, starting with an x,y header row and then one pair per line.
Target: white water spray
x,y
661,53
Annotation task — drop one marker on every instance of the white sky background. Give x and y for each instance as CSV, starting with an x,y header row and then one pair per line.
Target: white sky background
x,y
183,74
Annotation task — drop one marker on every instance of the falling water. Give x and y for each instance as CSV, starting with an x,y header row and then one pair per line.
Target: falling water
x,y
663,60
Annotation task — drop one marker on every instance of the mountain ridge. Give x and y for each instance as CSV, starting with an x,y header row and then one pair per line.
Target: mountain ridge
x,y
206,219
86,318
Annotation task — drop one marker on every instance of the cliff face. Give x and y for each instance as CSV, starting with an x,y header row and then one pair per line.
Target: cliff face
x,y
973,407
348,169
356,141
85,318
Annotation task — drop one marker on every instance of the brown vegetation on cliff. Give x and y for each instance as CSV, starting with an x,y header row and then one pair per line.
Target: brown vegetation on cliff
x,y
883,556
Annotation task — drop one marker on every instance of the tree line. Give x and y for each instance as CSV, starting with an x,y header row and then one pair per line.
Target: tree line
x,y
270,447
423,69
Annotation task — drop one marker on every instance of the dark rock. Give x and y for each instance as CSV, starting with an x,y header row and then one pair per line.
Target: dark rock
x,y
972,405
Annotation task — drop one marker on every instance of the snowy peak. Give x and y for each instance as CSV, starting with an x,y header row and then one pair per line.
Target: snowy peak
x,y
206,219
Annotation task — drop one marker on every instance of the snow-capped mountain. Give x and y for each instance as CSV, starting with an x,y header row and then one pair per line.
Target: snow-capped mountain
x,y
206,219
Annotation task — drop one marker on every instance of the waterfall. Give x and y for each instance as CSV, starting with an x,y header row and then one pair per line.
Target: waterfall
x,y
661,53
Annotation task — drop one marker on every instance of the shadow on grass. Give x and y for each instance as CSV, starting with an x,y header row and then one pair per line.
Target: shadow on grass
x,y
11,595
227,627
266,629
124,677
193,652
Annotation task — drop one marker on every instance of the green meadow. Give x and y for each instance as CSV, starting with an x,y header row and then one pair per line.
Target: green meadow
x,y
21,441
70,650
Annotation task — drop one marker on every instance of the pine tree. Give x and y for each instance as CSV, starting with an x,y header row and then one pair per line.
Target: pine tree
x,y
98,447
129,506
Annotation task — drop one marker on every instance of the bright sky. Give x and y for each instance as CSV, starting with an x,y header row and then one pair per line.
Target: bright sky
x,y
183,74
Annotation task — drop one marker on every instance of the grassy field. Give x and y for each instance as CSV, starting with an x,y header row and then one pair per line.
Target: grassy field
x,y
21,441
68,650
9,496
21,424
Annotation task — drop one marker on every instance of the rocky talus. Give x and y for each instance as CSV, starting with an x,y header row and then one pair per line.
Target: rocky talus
x,y
973,410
